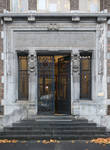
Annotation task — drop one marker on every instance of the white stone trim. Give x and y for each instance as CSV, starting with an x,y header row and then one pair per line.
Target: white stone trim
x,y
2,34
108,34
2,56
2,79
108,79
108,55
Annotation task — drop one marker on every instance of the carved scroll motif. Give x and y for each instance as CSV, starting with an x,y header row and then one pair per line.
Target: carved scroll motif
x,y
100,48
53,27
75,63
32,62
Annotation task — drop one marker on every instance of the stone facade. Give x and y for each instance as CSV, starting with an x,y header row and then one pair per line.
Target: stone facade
x,y
75,33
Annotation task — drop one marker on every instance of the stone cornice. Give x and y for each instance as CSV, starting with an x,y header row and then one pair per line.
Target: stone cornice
x,y
55,15
75,17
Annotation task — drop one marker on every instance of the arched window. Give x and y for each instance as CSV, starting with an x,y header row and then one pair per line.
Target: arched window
x,y
53,5
18,6
92,6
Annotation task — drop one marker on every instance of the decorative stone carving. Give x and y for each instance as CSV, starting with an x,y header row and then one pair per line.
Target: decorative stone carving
x,y
100,30
31,19
101,19
53,27
8,19
75,19
75,63
32,62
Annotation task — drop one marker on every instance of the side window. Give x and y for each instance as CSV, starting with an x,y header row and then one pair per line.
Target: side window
x,y
89,5
53,5
18,6
22,76
85,75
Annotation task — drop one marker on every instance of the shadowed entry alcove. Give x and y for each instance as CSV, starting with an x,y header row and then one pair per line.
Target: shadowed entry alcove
x,y
54,85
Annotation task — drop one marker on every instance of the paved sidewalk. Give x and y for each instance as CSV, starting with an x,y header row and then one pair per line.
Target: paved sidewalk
x,y
67,145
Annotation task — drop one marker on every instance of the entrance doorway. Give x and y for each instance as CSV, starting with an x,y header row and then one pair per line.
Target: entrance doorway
x,y
54,84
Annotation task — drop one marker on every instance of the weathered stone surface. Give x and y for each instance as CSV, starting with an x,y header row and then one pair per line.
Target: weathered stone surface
x,y
55,39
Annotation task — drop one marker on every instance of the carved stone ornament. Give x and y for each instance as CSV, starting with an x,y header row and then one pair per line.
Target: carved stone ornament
x,y
32,62
53,27
75,63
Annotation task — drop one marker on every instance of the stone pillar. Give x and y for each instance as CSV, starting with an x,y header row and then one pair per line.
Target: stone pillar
x,y
32,82
101,60
101,70
75,82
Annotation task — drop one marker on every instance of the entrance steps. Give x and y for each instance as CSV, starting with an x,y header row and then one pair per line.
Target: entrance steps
x,y
53,127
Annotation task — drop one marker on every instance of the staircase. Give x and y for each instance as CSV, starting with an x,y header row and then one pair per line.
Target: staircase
x,y
53,127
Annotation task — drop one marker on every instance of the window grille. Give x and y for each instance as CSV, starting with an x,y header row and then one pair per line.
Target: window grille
x,y
23,77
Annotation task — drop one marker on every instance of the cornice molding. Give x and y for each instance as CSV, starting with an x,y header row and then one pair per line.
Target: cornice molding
x,y
75,17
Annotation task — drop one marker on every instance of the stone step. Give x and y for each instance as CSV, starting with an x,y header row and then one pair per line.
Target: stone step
x,y
52,132
52,120
37,124
55,128
64,129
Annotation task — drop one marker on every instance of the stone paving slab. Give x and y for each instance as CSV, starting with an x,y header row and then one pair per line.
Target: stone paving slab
x,y
63,145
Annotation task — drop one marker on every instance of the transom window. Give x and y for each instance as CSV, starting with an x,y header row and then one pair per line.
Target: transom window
x,y
89,5
53,5
19,6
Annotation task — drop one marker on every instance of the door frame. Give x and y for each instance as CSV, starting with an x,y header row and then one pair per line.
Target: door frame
x,y
55,53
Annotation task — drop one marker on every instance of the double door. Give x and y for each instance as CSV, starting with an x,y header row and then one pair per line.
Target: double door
x,y
54,84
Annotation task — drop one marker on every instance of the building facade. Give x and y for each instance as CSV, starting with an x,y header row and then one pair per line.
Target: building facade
x,y
55,59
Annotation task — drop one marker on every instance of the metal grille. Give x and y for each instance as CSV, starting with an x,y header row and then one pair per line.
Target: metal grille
x,y
63,100
23,77
46,84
